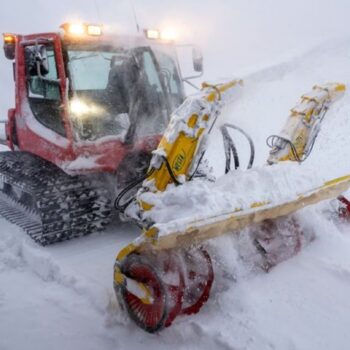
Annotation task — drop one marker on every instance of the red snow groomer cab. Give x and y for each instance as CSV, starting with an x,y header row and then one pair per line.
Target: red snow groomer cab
x,y
89,110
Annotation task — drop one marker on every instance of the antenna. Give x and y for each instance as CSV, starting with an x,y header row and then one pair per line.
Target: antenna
x,y
135,16
97,10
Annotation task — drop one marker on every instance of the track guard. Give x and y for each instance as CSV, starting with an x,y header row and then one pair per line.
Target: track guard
x,y
10,129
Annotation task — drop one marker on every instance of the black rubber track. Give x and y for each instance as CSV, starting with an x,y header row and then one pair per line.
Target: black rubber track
x,y
48,204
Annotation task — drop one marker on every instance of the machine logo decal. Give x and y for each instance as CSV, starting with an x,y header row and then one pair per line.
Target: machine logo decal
x,y
179,161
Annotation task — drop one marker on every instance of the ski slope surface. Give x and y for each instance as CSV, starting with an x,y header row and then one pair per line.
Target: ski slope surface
x,y
61,297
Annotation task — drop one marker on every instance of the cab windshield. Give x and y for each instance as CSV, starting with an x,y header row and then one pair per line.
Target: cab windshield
x,y
119,93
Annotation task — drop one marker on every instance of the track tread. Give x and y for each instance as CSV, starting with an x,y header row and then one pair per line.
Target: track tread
x,y
65,206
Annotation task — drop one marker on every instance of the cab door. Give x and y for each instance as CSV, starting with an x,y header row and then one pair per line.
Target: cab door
x,y
42,124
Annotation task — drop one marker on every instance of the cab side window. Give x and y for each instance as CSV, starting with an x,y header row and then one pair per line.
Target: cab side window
x,y
170,74
43,87
148,111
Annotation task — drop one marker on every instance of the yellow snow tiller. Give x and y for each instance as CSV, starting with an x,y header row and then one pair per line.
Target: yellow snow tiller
x,y
167,272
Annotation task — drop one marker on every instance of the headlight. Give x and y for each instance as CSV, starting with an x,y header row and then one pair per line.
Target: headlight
x,y
80,108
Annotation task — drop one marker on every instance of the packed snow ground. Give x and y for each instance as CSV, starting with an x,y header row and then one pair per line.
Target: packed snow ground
x,y
61,296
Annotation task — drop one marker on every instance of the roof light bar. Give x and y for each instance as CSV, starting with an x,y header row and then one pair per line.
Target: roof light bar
x,y
168,34
165,35
94,30
82,29
152,34
75,29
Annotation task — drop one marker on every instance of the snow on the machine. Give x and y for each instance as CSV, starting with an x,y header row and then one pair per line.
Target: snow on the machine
x,y
200,199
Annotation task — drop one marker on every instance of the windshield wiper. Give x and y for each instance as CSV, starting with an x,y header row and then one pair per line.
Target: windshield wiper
x,y
75,58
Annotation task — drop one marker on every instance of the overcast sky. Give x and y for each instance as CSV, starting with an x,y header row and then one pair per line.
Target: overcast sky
x,y
236,35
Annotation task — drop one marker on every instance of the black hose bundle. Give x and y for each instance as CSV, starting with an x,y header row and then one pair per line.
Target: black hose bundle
x,y
231,150
117,203
229,147
279,142
121,207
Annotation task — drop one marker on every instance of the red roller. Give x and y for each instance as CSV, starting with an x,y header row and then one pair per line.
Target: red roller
x,y
278,240
150,316
157,300
199,279
173,279
344,208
